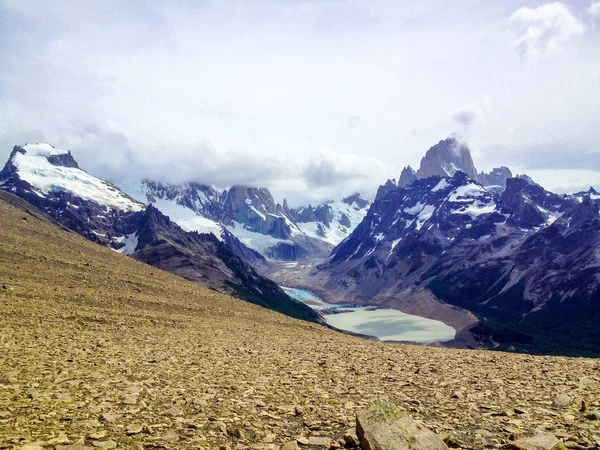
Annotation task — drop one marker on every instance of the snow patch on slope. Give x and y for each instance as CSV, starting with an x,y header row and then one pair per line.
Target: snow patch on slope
x,y
441,185
262,243
425,215
474,198
188,219
130,241
465,193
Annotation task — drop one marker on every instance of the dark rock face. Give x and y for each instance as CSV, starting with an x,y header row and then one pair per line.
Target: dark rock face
x,y
356,198
256,209
65,160
200,198
526,260
249,255
591,193
320,213
528,203
407,176
446,158
382,191
287,251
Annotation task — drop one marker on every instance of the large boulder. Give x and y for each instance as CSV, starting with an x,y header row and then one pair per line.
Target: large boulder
x,y
382,426
540,441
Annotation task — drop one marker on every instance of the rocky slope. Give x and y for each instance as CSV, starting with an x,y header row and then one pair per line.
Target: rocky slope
x,y
525,262
100,351
51,180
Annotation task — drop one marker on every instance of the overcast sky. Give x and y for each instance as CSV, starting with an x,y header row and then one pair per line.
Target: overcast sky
x,y
313,99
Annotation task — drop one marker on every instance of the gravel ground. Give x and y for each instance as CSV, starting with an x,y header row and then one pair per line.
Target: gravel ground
x,y
100,351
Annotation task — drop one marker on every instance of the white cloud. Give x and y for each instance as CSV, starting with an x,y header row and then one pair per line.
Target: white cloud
x,y
470,113
354,121
246,92
329,175
544,29
594,9
328,168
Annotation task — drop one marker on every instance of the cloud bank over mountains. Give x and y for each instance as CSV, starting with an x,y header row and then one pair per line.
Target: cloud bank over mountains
x,y
312,99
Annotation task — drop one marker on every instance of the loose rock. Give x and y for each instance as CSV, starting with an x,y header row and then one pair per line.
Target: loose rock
x,y
382,426
104,444
541,441
562,400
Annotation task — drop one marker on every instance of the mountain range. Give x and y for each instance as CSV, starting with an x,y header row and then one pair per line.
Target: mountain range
x,y
524,260
505,262
251,214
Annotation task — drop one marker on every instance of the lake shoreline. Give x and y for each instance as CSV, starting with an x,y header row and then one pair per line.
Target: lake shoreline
x,y
383,324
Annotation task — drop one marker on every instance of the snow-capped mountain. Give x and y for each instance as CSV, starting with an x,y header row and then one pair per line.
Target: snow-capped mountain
x,y
48,172
252,215
51,180
331,222
525,260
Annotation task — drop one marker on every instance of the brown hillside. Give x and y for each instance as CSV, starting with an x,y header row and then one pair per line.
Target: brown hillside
x,y
96,347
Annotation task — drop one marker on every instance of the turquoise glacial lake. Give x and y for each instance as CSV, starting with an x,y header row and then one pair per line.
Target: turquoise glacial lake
x,y
385,324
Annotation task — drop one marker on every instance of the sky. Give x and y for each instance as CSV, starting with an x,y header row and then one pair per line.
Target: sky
x,y
313,99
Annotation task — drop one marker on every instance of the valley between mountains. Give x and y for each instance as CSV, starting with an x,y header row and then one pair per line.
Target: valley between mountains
x,y
505,263
98,350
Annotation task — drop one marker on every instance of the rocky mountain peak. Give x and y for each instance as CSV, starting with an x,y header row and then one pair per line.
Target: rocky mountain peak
x,y
260,198
591,192
586,210
525,177
383,190
497,177
446,158
53,156
257,210
356,198
529,205
407,176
